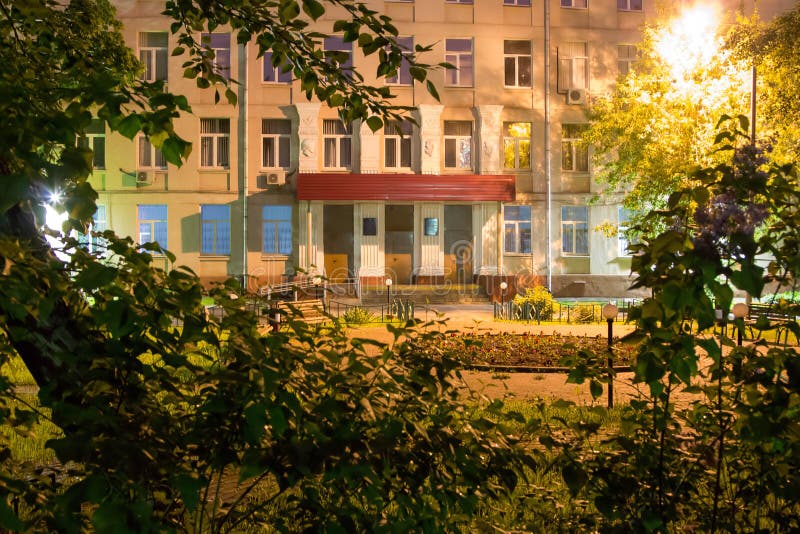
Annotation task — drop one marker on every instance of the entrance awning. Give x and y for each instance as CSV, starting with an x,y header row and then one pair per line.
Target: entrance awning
x,y
408,187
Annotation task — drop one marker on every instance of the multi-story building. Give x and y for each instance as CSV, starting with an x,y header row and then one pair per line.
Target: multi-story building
x,y
491,182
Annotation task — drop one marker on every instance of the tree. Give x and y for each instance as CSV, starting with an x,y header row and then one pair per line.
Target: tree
x,y
170,419
659,120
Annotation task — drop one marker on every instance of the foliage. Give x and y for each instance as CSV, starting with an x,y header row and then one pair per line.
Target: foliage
x,y
727,459
357,315
541,300
536,350
583,313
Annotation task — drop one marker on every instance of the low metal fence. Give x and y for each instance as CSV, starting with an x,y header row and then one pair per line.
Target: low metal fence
x,y
570,313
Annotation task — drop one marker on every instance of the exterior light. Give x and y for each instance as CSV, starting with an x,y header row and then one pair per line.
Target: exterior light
x,y
610,312
503,287
740,311
388,295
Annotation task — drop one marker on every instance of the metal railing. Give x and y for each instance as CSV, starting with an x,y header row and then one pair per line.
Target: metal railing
x,y
570,313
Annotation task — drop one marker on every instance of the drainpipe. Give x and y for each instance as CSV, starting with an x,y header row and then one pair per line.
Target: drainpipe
x,y
243,163
309,257
547,169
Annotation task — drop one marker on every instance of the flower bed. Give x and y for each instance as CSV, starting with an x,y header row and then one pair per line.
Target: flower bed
x,y
529,350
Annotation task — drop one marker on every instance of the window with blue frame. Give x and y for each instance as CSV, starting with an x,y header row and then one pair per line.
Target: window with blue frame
x,y
153,224
215,235
517,221
277,225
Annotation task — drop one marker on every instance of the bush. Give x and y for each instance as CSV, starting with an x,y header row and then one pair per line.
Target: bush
x,y
541,300
584,313
358,316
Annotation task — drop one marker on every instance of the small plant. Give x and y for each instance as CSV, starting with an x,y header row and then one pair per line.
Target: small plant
x,y
358,316
540,299
583,314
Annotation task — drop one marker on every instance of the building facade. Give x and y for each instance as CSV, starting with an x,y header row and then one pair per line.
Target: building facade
x,y
491,182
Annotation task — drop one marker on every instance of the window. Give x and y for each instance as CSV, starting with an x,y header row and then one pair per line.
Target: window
x,y
153,224
215,232
573,61
431,226
403,76
343,52
626,56
277,224
516,2
517,145
275,74
583,4
575,230
458,144
458,52
629,5
397,147
215,143
338,144
458,1
220,43
153,55
574,153
94,138
517,238
623,218
99,224
149,156
517,56
275,138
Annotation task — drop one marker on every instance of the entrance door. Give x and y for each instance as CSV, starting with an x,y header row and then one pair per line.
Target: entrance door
x,y
458,243
337,240
399,242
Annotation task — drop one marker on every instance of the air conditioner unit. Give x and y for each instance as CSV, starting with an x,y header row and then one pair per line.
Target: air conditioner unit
x,y
144,178
271,178
576,96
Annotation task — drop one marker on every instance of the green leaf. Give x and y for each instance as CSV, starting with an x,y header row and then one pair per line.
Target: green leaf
x,y
595,388
374,123
8,519
95,275
130,126
575,477
278,421
189,488
313,9
432,90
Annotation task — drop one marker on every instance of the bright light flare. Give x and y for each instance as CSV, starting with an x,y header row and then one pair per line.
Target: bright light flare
x,y
690,42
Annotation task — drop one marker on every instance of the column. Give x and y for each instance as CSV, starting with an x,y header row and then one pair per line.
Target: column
x,y
485,220
368,146
370,254
488,139
310,254
429,249
429,118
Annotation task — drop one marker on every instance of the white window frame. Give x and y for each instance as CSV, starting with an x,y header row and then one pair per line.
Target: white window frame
x,y
336,43
215,143
458,142
627,55
99,223
458,1
336,136
403,76
575,4
573,66
460,59
572,143
516,59
152,224
149,56
278,76
517,227
630,5
514,142
520,3
577,226
95,131
155,156
219,52
281,145
395,145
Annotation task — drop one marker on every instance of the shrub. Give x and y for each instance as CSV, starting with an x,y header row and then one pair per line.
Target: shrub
x,y
584,313
358,316
541,300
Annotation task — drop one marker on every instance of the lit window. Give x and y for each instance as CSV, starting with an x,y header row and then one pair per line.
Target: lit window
x,y
149,156
337,142
575,230
397,145
516,2
275,138
153,55
517,233
275,73
458,52
629,5
517,57
574,153
94,138
575,3
220,44
339,52
153,224
215,233
573,62
517,145
215,143
277,225
458,144
403,76
626,56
